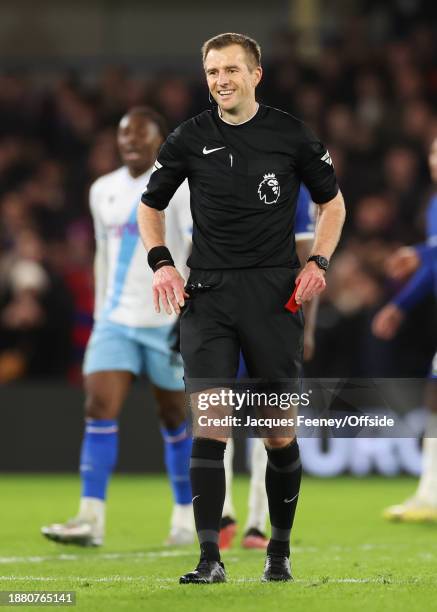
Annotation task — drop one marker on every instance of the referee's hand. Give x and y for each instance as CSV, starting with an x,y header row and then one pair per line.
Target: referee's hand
x,y
168,290
310,282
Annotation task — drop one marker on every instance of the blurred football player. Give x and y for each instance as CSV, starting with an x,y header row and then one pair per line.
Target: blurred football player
x,y
129,338
254,533
420,263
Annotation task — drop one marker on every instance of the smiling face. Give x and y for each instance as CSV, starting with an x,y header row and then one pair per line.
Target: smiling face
x,y
138,139
232,77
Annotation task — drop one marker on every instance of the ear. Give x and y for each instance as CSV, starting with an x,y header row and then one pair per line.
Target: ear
x,y
257,75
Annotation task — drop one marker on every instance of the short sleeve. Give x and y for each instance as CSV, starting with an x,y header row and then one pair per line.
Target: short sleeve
x,y
169,172
315,167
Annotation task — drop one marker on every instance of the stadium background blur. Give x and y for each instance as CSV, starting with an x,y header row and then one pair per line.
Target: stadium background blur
x,y
362,74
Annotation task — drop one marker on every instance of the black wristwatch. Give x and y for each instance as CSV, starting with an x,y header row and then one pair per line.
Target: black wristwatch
x,y
320,261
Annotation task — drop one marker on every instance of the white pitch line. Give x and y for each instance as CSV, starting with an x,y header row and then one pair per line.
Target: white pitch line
x,y
74,579
115,579
101,556
315,581
173,553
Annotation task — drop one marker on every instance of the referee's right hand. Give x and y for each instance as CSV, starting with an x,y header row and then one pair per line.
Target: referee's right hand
x,y
168,290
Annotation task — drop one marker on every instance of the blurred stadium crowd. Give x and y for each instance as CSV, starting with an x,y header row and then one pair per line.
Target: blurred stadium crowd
x,y
372,99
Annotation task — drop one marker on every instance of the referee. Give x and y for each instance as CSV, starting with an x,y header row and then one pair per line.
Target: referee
x,y
244,162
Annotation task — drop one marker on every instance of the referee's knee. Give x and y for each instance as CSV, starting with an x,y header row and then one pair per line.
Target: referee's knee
x,y
278,442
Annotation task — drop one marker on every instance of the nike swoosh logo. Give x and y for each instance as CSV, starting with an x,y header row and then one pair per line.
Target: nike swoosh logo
x,y
288,501
208,151
195,498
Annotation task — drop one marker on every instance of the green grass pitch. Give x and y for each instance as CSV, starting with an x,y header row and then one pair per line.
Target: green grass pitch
x,y
345,557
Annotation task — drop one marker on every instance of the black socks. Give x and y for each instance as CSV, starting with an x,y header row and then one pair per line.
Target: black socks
x,y
283,476
208,487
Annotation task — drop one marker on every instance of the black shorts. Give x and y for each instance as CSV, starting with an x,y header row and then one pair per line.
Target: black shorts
x,y
241,310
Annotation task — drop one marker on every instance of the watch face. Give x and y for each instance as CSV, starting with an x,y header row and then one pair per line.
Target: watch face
x,y
321,261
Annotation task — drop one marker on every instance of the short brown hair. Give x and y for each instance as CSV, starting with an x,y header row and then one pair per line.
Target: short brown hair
x,y
251,47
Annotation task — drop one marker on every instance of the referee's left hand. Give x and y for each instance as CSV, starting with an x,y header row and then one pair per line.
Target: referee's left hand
x,y
168,289
310,282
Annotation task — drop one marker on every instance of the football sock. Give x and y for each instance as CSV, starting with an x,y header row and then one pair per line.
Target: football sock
x,y
92,510
283,476
427,489
208,489
98,456
177,452
228,506
182,517
258,505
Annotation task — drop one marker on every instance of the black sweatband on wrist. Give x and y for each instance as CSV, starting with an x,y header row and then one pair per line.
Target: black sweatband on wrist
x,y
157,255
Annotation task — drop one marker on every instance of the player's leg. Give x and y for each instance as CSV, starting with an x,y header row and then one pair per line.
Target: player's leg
x,y
210,350
228,524
254,536
111,361
176,434
164,370
254,533
275,354
427,490
105,394
422,507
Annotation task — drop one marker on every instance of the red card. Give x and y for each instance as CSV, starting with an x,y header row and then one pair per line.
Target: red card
x,y
292,305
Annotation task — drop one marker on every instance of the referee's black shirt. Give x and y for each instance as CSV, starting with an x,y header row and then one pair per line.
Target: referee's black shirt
x,y
244,181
